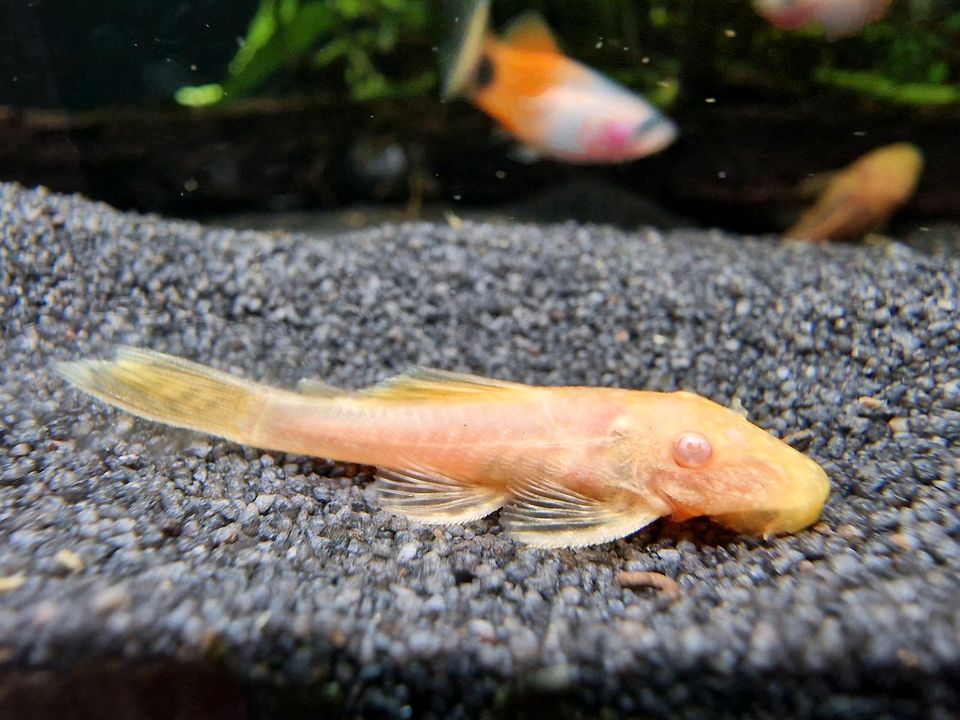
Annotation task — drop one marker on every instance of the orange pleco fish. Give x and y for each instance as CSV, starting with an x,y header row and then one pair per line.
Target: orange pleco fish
x,y
569,466
862,197
555,106
839,18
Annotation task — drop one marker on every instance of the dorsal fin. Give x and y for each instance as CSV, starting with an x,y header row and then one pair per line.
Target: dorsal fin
x,y
420,383
318,388
530,31
814,185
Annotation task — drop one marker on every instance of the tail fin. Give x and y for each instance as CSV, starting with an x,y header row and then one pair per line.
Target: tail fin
x,y
174,391
468,51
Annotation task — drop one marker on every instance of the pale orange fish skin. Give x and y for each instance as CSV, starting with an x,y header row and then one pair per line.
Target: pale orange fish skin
x,y
862,197
596,440
570,466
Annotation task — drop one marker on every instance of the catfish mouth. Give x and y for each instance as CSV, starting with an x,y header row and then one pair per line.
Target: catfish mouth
x,y
755,496
791,503
750,522
770,522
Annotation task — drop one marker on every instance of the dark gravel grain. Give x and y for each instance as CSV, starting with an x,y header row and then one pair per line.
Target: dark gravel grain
x,y
282,574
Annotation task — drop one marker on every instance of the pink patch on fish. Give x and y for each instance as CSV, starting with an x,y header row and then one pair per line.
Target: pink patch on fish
x,y
790,15
610,141
790,19
616,136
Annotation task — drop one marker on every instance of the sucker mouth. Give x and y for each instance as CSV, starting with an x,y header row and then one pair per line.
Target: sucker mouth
x,y
770,522
747,521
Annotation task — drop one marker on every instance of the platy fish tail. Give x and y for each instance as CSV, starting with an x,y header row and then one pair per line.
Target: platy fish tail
x,y
468,52
174,391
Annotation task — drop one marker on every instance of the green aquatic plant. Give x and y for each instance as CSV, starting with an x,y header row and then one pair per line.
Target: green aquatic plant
x,y
673,52
355,37
907,60
879,87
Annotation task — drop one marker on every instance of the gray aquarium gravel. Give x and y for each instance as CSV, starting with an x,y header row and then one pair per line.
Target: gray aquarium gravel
x,y
135,556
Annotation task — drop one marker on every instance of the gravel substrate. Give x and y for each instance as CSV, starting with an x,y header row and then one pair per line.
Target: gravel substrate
x,y
126,546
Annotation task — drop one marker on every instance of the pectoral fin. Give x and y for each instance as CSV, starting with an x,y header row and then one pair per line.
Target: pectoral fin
x,y
524,154
430,498
814,185
835,217
547,514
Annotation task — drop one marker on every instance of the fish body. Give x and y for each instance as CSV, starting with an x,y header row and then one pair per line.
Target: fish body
x,y
862,197
555,106
568,466
839,18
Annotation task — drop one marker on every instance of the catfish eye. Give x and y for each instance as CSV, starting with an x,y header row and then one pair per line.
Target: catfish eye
x,y
692,450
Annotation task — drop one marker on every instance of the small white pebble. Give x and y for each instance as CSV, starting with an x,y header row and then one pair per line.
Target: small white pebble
x,y
11,583
70,560
110,599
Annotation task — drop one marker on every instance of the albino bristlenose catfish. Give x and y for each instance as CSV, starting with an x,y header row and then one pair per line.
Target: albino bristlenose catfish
x,y
861,197
568,466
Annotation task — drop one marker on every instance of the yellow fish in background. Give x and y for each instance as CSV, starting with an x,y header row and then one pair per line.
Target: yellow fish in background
x,y
862,197
569,466
839,18
555,106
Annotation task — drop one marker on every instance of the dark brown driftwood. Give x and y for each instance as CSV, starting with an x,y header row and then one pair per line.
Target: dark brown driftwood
x,y
734,165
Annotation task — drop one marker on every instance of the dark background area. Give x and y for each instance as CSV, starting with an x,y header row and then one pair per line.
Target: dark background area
x,y
82,55
86,106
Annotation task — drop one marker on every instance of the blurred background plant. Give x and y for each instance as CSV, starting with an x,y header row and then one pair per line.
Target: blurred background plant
x,y
669,49
359,121
352,42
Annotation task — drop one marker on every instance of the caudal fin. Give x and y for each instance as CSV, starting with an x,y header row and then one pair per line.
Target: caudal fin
x,y
469,49
174,391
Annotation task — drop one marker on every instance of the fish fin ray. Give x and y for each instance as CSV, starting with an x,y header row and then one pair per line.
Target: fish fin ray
x,y
546,514
174,391
530,31
318,388
434,499
420,383
468,52
816,184
831,218
524,154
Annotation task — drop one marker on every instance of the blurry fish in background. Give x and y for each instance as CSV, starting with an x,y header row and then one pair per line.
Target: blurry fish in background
x,y
861,197
839,18
555,106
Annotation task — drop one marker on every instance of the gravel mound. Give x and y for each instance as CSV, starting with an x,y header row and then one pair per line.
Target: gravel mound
x,y
139,557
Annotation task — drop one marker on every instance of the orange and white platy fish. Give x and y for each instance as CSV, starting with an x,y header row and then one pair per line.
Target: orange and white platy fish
x,y
555,106
569,466
860,198
839,18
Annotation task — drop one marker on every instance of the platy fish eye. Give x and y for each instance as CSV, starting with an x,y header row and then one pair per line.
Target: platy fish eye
x,y
692,450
